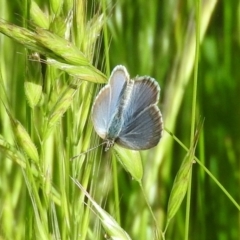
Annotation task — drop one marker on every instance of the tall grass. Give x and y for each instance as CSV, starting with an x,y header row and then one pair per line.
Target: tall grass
x,y
54,56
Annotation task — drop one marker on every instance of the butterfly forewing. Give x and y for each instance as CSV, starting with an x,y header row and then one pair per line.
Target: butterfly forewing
x,y
100,112
145,92
118,81
107,100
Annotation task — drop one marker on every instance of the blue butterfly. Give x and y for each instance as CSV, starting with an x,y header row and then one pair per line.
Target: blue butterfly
x,y
125,111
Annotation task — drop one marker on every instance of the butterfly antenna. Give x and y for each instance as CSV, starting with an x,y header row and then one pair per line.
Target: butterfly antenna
x,y
90,149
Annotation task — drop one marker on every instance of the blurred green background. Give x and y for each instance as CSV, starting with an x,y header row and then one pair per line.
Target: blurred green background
x,y
154,38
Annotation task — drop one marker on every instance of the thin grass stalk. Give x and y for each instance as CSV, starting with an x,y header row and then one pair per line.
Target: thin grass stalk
x,y
39,221
194,103
116,190
106,38
208,172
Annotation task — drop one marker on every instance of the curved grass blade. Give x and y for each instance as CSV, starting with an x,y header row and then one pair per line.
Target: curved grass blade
x,y
110,225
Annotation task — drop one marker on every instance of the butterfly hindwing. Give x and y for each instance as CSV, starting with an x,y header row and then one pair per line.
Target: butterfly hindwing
x,y
144,131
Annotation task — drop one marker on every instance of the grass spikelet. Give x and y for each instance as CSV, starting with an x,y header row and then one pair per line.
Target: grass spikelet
x,y
61,47
38,16
11,152
60,107
23,139
56,6
131,161
67,56
181,181
84,73
93,31
33,93
33,82
179,188
21,35
15,155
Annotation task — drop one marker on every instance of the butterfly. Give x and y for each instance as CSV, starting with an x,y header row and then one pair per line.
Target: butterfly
x,y
125,111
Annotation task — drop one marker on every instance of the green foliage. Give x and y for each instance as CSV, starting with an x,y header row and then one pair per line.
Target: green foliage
x,y
54,55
